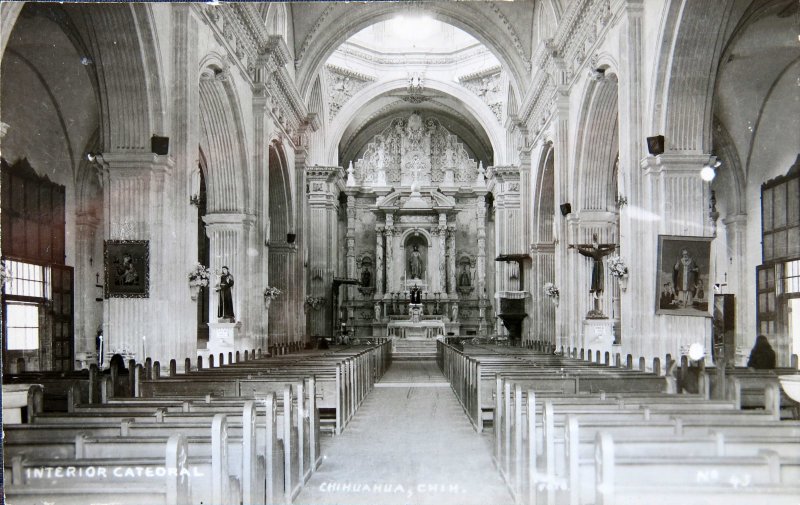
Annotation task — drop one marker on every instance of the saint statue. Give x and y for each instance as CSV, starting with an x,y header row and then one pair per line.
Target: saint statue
x,y
225,300
366,277
415,266
684,278
597,252
464,278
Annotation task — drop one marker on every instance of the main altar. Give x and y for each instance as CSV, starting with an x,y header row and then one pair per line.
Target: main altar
x,y
416,220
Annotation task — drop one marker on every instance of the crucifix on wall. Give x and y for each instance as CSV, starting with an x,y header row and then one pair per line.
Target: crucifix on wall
x,y
597,252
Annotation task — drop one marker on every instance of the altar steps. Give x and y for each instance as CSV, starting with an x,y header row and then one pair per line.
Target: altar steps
x,y
414,350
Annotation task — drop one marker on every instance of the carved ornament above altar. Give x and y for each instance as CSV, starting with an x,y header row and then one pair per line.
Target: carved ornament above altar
x,y
415,150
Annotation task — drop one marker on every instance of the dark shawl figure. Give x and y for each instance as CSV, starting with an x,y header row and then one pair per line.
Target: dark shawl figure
x,y
762,357
225,301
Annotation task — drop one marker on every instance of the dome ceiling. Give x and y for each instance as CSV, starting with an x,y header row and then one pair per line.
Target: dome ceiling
x,y
414,63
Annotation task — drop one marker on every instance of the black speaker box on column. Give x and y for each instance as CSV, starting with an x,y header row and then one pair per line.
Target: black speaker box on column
x,y
565,209
159,145
655,145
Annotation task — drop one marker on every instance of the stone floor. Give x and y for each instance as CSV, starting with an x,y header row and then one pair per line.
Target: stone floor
x,y
410,443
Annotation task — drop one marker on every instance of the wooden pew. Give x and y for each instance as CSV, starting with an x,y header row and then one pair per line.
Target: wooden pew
x,y
80,482
714,480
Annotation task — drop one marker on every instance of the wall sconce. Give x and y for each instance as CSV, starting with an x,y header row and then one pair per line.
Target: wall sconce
x,y
95,157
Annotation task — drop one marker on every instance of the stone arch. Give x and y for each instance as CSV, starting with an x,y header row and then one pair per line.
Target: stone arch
x,y
544,197
281,213
360,104
221,131
281,251
732,176
688,54
597,147
491,28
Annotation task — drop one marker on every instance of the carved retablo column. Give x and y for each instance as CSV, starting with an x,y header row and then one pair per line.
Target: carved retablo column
x,y
442,231
379,261
389,234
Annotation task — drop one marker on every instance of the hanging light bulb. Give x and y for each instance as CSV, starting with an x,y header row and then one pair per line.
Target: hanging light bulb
x,y
708,172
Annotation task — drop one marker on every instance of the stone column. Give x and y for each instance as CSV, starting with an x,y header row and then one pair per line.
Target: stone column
x,y
561,185
677,194
480,268
509,223
379,262
88,315
137,188
636,315
323,196
227,233
451,261
350,241
736,232
442,232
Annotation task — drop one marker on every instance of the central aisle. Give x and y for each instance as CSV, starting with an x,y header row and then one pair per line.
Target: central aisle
x,y
410,443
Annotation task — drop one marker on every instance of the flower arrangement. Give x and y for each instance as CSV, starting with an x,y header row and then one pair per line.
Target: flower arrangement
x,y
315,302
199,276
616,266
271,292
550,290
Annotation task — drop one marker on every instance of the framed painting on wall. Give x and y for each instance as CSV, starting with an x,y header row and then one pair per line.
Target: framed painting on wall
x,y
683,276
127,268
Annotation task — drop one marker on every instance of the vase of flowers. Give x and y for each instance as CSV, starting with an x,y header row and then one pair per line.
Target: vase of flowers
x,y
270,293
198,278
314,302
618,268
551,291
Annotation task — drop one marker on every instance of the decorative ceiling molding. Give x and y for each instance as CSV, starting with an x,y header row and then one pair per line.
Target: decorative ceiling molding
x,y
342,84
365,54
481,73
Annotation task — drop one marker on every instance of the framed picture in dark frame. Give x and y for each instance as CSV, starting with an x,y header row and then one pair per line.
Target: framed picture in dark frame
x,y
683,279
127,268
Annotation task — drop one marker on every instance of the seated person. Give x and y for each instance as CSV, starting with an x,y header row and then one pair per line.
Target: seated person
x,y
762,357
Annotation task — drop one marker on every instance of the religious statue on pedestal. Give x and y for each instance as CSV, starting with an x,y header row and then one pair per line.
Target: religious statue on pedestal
x,y
415,264
225,300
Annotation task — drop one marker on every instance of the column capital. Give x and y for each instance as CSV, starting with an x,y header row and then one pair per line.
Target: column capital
x,y
679,163
735,220
228,220
135,164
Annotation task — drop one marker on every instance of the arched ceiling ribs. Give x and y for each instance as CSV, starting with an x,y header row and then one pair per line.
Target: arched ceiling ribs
x,y
597,147
225,160
281,214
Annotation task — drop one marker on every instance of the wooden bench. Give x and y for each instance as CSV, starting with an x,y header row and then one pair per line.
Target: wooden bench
x,y
81,482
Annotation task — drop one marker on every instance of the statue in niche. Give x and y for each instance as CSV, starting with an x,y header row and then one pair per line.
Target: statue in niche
x,y
464,278
225,300
366,277
415,264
